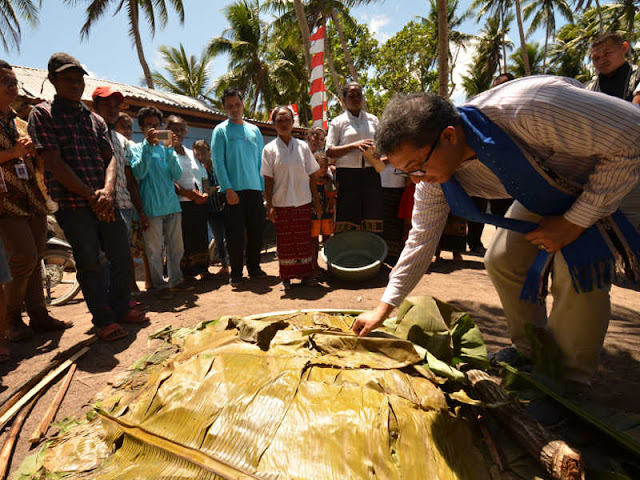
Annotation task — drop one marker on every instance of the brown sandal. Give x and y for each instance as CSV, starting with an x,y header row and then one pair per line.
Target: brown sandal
x,y
112,332
46,323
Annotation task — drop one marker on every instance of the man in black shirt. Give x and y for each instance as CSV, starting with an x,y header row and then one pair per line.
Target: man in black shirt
x,y
616,76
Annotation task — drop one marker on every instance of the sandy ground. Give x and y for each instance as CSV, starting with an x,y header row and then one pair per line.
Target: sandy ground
x,y
464,284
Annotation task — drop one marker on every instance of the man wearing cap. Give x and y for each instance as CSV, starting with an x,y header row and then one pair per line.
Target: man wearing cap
x,y
81,177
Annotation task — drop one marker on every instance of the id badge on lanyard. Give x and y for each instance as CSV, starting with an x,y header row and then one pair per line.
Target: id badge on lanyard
x,y
21,170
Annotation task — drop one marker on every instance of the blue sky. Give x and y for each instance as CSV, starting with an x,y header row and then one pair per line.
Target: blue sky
x,y
109,53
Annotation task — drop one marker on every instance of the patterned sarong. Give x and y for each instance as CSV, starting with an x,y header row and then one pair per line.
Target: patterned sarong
x,y
293,236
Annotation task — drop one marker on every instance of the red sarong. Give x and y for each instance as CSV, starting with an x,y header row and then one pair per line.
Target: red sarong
x,y
293,236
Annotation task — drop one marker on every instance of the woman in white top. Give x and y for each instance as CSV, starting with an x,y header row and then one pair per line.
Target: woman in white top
x,y
288,168
195,236
359,204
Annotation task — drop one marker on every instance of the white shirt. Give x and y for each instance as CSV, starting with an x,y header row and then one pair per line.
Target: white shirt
x,y
192,173
587,138
346,129
290,167
389,179
123,159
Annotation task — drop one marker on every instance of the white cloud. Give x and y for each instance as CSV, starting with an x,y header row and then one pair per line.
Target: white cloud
x,y
375,23
462,63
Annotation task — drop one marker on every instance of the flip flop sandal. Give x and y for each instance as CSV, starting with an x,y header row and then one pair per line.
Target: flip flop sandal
x,y
19,333
112,332
50,325
134,316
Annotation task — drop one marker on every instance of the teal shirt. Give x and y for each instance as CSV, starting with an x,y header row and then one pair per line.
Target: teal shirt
x,y
156,167
237,156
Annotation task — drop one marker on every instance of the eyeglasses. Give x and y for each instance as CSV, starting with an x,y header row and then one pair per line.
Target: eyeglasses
x,y
420,172
10,82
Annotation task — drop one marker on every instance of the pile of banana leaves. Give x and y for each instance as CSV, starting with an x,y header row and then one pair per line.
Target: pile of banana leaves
x,y
285,396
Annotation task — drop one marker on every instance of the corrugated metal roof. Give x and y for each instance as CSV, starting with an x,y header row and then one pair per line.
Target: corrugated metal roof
x,y
35,85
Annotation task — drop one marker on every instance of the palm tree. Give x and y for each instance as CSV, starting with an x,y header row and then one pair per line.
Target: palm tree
x,y
523,41
543,12
581,5
188,75
283,7
443,48
534,54
499,8
10,13
150,9
477,80
246,43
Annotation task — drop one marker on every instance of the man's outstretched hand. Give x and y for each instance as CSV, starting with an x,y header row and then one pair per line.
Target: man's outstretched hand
x,y
368,321
554,233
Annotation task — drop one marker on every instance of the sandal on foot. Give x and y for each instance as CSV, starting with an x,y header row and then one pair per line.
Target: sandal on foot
x,y
49,324
112,332
310,282
19,332
134,316
286,286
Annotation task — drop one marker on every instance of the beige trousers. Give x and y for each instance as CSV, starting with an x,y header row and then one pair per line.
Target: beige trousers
x,y
577,321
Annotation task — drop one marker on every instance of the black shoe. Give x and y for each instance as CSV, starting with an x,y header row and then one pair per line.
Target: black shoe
x,y
257,274
545,411
235,281
510,356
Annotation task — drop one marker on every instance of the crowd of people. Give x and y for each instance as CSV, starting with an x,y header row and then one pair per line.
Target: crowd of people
x,y
158,199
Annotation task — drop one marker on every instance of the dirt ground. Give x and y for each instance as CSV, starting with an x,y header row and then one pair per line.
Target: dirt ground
x,y
464,284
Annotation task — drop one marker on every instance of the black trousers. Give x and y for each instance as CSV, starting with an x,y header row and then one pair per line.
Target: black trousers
x,y
497,207
249,216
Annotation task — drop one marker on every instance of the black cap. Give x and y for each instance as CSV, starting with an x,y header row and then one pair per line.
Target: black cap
x,y
60,62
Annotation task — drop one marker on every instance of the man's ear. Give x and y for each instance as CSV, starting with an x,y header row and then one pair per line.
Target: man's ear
x,y
625,47
51,78
449,135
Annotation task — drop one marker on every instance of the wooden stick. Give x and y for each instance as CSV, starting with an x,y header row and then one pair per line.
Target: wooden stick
x,y
42,384
558,459
10,399
42,428
7,449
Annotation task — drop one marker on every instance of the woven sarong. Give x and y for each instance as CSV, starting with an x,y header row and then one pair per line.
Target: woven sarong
x,y
293,236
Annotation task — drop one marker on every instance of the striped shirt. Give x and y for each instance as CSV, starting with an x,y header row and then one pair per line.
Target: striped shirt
x,y
588,139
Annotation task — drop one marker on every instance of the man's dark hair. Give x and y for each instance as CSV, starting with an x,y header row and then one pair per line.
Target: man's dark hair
x,y
416,119
5,65
231,92
145,112
175,119
126,116
613,36
349,85
280,108
506,77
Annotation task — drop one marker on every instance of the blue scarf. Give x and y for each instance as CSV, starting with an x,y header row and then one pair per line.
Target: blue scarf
x,y
591,258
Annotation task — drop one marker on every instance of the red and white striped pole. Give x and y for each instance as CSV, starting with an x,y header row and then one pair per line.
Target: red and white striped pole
x,y
318,93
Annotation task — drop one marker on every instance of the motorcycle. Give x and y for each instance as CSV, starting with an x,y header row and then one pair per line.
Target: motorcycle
x,y
59,277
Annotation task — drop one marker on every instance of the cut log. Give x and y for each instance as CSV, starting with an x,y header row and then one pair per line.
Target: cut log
x,y
552,453
43,426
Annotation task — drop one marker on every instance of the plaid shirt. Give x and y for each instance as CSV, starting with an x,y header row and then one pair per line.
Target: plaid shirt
x,y
80,136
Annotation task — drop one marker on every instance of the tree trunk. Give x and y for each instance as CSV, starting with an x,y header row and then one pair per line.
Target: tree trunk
x,y
443,49
546,46
601,27
135,28
304,30
558,458
523,40
504,40
347,56
332,68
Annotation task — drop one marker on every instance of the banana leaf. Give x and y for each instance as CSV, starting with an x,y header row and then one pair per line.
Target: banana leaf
x,y
298,401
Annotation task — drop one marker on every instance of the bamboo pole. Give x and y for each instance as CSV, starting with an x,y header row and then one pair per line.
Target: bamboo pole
x,y
42,384
43,426
11,398
552,453
7,449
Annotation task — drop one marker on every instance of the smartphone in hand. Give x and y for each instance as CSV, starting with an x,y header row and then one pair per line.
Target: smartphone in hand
x,y
165,137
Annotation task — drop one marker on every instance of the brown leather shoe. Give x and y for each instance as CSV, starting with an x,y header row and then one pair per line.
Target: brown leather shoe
x,y
46,323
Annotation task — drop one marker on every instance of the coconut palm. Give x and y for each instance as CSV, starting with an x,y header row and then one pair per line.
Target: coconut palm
x,y
283,8
523,41
11,11
443,48
492,8
581,5
477,80
151,9
187,74
535,56
543,13
246,43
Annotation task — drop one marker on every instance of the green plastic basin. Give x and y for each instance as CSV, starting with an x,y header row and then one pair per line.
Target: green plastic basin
x,y
354,256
